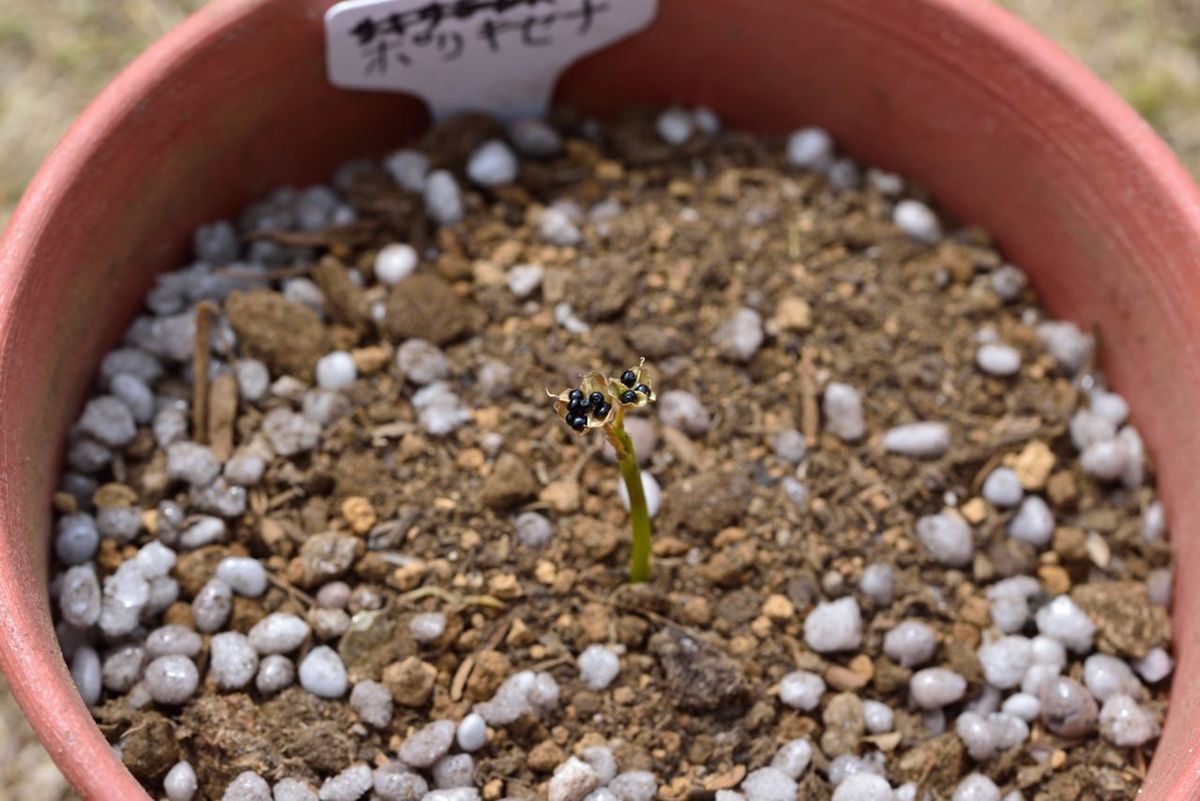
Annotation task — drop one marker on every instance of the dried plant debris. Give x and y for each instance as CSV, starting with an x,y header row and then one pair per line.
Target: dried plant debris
x,y
908,544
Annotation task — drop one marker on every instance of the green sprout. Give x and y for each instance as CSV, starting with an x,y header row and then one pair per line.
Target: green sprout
x,y
601,402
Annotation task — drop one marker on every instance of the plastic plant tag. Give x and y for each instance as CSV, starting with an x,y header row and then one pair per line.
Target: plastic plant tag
x,y
497,56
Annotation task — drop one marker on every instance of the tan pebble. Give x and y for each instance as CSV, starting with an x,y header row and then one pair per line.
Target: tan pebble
x,y
1061,489
760,627
407,577
359,514
728,536
487,273
372,359
1058,758
743,644
1070,544
624,695
608,170
545,571
863,666
885,742
1098,550
670,546
1055,579
493,790
844,679
696,611
491,669
974,510
778,608
488,418
793,314
469,540
410,681
1033,464
545,757
179,614
65,503
537,651
594,620
112,495
977,611
471,459
726,779
445,504
562,496
519,634
564,581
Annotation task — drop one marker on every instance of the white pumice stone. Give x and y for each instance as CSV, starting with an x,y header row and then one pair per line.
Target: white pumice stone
x,y
109,421
85,455
976,787
810,149
1008,282
1002,488
846,765
180,783
452,794
233,662
86,672
845,174
322,673
793,758
922,440
493,164
123,667
408,168
394,263
133,361
212,605
878,583
1037,676
789,446
294,790
154,560
1125,723
193,463
279,632
1069,346
173,640
1009,613
349,785
801,689
202,530
651,490
1134,472
244,468
601,759
706,120
1088,428
248,786
533,530
843,412
675,125
998,360
305,292
1068,709
472,732
1048,651
738,338
395,782
427,626
1106,676
918,221
684,411
172,679
454,771
120,523
133,392
534,138
1154,522
170,426
443,198
439,409
253,379
598,666
79,598
769,784
977,735
729,795
328,624
421,362
1022,705
1010,730
878,717
524,279
834,626
1063,620
494,379
275,674
934,688
910,643
373,703
427,745
864,787
290,433
126,593
245,575
947,537
556,226
1109,405
1006,660
1154,666
76,538
336,370
908,792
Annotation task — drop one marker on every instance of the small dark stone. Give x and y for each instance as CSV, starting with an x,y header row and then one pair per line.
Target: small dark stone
x,y
703,679
628,378
629,396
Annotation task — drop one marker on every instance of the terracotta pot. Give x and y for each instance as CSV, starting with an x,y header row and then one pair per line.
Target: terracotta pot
x,y
1003,127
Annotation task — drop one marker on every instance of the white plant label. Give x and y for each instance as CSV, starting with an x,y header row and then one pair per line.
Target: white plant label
x,y
497,56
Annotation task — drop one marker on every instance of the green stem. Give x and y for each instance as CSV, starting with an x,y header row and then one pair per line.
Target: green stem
x,y
639,514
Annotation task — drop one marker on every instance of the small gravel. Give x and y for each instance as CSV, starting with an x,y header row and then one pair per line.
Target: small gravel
x,y
925,440
801,689
598,666
322,673
172,680
834,626
427,745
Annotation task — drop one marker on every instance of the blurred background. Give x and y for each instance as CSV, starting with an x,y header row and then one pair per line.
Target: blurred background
x,y
55,55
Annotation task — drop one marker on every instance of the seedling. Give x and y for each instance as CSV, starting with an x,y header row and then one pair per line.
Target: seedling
x,y
601,402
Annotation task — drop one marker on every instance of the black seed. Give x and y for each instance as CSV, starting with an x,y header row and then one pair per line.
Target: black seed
x,y
629,396
642,388
575,394
601,411
578,405
596,398
628,378
578,423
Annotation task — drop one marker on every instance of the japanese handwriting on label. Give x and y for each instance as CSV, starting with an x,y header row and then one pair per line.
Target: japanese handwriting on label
x,y
501,56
